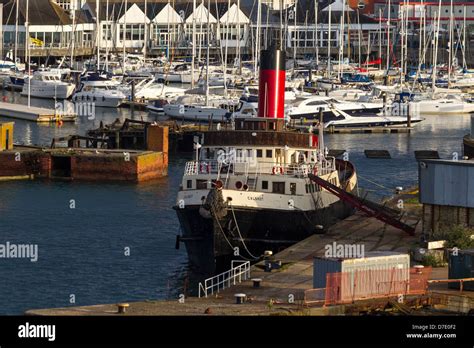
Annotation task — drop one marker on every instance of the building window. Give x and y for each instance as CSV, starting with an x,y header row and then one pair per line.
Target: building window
x,y
189,184
48,39
265,185
269,153
259,153
201,184
279,187
137,32
293,188
56,38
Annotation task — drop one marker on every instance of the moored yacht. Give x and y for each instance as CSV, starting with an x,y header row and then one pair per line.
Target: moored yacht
x,y
101,90
47,84
310,108
101,95
195,108
443,106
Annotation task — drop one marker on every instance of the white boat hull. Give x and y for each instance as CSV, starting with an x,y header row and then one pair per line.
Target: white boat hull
x,y
48,92
194,113
431,107
98,100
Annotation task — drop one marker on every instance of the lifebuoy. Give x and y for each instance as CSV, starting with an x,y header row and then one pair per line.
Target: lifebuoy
x,y
277,170
205,168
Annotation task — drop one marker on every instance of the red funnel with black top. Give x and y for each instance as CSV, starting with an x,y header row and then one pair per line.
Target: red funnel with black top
x,y
271,92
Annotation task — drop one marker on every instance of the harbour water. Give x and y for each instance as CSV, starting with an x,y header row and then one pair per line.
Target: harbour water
x,y
83,251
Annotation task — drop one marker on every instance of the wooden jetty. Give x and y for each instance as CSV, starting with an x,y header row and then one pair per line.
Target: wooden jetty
x,y
34,114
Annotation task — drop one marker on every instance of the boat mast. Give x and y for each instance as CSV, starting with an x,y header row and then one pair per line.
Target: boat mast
x,y
420,38
257,38
380,38
464,64
359,37
329,42
406,36
341,40
239,38
107,25
402,35
316,43
168,45
193,44
98,38
73,35
124,48
208,48
295,36
16,31
450,45
435,56
388,35
145,33
226,51
27,27
201,35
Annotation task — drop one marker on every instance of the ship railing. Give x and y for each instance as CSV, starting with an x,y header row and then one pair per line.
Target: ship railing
x,y
223,171
202,167
240,270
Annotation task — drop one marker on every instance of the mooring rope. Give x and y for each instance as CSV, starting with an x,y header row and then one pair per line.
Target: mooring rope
x,y
373,182
223,233
241,238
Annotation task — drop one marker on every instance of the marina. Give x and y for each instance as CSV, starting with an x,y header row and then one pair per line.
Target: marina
x,y
291,158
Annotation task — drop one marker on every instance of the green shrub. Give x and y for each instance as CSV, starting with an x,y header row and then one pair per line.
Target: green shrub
x,y
457,236
430,260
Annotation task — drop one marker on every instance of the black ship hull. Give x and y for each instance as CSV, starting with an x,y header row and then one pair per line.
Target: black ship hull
x,y
212,243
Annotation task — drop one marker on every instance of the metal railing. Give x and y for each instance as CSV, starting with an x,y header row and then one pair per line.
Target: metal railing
x,y
447,281
192,168
224,280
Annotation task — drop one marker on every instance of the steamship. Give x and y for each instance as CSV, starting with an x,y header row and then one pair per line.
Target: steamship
x,y
248,190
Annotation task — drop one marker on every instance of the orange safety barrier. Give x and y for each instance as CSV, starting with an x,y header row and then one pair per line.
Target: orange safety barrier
x,y
367,284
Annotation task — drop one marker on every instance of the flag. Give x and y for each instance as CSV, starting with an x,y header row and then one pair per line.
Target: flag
x,y
36,42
